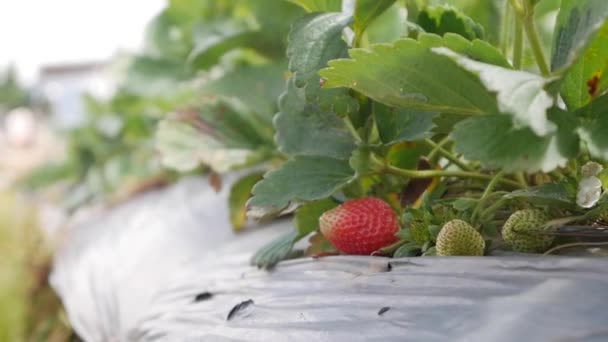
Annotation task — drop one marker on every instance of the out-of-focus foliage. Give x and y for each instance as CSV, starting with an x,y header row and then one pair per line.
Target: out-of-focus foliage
x,y
12,94
211,68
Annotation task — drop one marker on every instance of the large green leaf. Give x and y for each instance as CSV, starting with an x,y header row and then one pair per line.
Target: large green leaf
x,y
307,124
302,178
581,47
492,140
518,93
594,126
445,19
552,193
368,10
399,125
408,74
585,79
319,5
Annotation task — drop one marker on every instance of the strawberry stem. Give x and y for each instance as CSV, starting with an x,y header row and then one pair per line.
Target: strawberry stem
x,y
446,173
447,155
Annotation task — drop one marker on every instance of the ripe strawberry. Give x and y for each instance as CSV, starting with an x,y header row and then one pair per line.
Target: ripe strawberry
x,y
523,229
360,226
458,238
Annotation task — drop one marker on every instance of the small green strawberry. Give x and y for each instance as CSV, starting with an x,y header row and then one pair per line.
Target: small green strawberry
x,y
523,229
458,238
360,226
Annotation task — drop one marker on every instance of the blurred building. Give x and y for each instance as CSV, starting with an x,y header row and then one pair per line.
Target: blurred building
x,y
62,86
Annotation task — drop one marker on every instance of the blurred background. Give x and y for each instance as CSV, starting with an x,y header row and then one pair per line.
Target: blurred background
x,y
59,60
84,88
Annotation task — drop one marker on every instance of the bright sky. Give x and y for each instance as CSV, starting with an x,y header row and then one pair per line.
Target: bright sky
x,y
39,32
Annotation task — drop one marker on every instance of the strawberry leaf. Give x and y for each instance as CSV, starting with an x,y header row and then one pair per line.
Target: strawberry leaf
x,y
496,143
301,178
518,93
240,192
407,74
275,251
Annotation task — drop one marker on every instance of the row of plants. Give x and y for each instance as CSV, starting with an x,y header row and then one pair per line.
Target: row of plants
x,y
385,127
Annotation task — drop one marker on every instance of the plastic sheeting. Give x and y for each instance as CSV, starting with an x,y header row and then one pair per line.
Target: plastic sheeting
x,y
166,267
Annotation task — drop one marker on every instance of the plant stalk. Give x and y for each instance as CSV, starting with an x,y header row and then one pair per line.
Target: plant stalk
x,y
447,155
518,44
446,173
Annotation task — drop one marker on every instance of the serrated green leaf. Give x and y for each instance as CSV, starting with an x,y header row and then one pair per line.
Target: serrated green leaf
x,y
306,124
594,125
307,216
408,74
492,140
488,13
319,5
399,125
276,251
368,10
304,129
552,193
240,192
447,19
518,93
302,178
578,21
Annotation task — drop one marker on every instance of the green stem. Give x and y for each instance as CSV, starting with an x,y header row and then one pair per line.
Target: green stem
x,y
525,13
518,46
447,155
491,209
435,150
486,194
535,44
506,20
521,178
351,128
445,173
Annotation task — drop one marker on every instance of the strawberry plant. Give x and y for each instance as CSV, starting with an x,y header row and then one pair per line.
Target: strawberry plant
x,y
444,112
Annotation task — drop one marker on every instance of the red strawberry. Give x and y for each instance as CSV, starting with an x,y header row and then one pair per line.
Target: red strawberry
x,y
360,226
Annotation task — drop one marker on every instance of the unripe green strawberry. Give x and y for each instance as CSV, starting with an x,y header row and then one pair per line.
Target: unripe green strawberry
x,y
458,238
360,226
523,231
419,232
